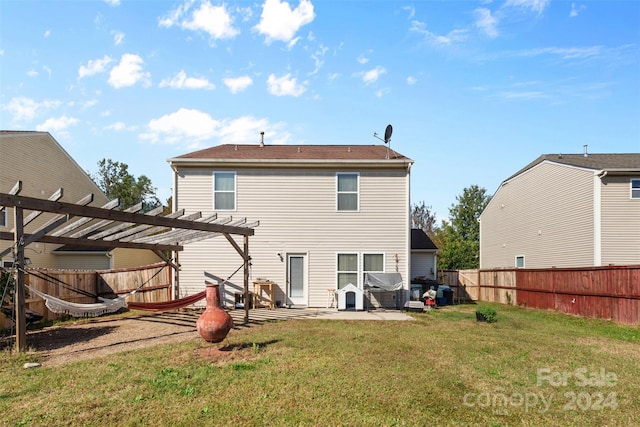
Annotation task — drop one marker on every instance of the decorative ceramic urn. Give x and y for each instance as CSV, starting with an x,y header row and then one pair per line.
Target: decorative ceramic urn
x,y
214,323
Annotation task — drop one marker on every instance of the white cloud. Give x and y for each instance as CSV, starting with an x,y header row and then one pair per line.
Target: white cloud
x,y
193,127
213,20
112,2
411,80
565,52
523,95
47,33
129,72
279,22
285,85
1,52
411,10
453,37
26,109
94,67
317,58
119,127
576,9
48,70
181,81
371,76
32,73
537,6
486,22
237,84
118,37
187,125
58,125
362,59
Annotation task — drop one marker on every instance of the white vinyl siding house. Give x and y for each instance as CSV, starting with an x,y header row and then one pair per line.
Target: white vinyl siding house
x,y
620,219
303,234
564,211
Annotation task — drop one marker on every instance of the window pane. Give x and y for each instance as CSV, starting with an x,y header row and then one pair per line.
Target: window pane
x,y
347,182
348,262
519,262
224,181
635,188
224,200
347,202
373,262
345,278
296,279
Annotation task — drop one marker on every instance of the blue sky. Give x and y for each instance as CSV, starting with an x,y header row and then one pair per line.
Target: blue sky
x,y
474,90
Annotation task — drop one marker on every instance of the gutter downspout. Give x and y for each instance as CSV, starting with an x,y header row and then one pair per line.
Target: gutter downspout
x,y
175,282
597,217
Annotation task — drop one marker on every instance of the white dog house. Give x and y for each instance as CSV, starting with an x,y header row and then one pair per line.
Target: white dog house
x,y
350,298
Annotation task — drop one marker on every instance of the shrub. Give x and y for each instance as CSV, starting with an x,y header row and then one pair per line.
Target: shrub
x,y
486,314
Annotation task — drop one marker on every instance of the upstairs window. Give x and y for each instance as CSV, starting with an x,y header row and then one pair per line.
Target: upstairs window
x,y
635,188
3,217
520,261
224,191
347,184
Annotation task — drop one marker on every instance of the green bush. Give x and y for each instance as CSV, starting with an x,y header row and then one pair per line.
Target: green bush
x,y
486,314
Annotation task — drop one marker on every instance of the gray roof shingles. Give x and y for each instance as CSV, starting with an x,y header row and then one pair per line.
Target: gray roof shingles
x,y
293,152
628,161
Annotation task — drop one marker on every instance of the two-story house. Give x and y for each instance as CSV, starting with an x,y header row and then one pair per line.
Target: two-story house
x,y
565,210
328,214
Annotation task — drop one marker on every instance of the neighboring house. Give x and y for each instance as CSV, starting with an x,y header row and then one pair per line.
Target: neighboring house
x,y
423,255
328,214
565,210
43,166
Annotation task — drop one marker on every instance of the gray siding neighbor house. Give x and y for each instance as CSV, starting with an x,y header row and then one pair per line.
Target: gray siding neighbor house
x,y
43,167
565,210
327,215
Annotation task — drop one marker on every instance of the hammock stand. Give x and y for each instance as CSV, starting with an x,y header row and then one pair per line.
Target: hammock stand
x,y
106,305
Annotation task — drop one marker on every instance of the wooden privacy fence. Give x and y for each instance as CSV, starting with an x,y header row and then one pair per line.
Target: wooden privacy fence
x,y
611,292
153,281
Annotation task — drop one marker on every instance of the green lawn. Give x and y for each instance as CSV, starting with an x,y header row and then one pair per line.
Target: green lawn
x,y
528,368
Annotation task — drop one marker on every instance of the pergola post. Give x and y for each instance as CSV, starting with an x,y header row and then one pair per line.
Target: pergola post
x,y
245,255
19,299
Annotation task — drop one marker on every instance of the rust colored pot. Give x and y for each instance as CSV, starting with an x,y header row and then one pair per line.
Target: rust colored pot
x,y
214,323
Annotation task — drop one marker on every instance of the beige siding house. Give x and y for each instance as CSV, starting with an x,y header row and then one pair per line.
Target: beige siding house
x,y
571,210
43,166
328,214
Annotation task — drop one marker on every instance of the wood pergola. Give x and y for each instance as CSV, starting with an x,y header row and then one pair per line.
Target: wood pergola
x,y
106,227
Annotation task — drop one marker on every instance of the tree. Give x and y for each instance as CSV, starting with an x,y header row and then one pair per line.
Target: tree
x,y
461,236
114,179
423,219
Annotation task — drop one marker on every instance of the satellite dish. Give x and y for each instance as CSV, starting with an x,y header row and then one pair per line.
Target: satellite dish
x,y
387,134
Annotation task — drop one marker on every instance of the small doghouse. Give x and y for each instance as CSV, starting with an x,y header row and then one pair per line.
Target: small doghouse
x,y
350,298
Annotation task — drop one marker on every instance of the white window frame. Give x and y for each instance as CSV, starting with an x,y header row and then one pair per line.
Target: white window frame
x,y
384,263
516,261
356,192
354,272
634,192
235,190
360,271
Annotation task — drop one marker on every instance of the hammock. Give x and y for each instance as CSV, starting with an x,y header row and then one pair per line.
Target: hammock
x,y
167,305
59,306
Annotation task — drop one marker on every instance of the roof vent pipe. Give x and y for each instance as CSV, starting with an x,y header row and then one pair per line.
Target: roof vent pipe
x,y
585,150
262,139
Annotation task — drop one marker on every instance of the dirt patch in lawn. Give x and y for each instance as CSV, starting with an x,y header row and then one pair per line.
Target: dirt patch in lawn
x,y
93,338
